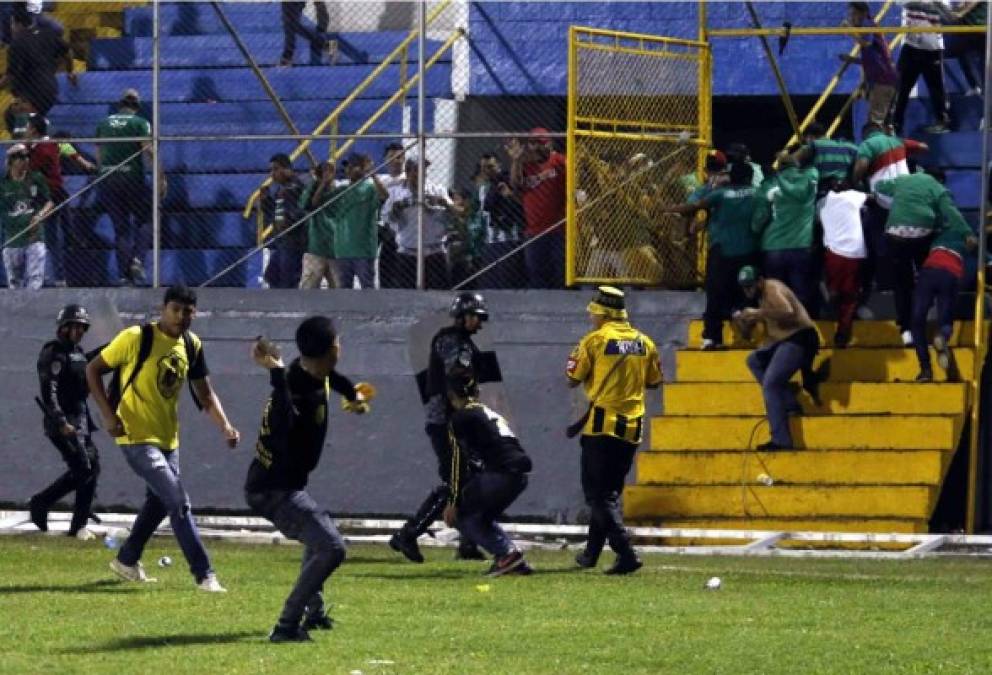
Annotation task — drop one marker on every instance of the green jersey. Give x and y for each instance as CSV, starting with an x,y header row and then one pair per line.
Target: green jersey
x,y
731,209
355,212
791,194
19,201
122,125
320,229
920,205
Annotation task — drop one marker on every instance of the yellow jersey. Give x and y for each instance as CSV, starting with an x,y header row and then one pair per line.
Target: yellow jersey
x,y
149,408
619,402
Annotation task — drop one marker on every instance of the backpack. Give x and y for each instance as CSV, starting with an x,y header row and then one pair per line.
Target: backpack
x,y
115,392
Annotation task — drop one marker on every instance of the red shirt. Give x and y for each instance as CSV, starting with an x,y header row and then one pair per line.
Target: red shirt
x,y
45,159
543,193
945,259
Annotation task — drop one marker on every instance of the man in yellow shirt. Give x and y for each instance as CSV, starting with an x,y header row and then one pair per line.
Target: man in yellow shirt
x,y
153,362
614,363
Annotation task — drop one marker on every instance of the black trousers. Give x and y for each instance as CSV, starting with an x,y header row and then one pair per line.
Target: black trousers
x,y
293,25
127,200
929,63
723,293
907,256
81,456
606,461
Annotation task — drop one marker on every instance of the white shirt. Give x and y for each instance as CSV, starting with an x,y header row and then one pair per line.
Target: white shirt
x,y
403,220
840,215
922,14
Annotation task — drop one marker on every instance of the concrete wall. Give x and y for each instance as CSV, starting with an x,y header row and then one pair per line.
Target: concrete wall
x,y
378,464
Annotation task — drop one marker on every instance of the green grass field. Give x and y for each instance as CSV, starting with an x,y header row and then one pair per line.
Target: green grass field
x,y
63,613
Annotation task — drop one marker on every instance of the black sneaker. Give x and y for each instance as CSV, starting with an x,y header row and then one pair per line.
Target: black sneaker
x,y
505,564
281,633
469,551
39,515
943,351
925,376
407,546
586,560
318,622
625,565
771,446
523,569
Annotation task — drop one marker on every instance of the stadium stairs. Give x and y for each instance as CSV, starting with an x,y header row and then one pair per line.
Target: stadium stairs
x,y
871,458
207,89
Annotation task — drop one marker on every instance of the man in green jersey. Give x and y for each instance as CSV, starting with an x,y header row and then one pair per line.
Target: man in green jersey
x,y
354,209
24,203
123,194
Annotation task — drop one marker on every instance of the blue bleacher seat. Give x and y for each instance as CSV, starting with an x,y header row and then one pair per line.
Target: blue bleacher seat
x,y
193,18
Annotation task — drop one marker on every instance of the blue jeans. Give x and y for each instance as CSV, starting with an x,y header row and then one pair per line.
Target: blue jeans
x,y
484,498
773,366
792,267
285,268
166,496
932,285
346,269
297,515
545,261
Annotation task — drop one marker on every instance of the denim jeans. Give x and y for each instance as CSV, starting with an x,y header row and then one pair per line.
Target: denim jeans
x,y
933,285
773,366
484,498
297,515
346,269
166,496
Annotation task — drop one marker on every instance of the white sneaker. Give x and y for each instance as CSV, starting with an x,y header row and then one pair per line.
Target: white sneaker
x,y
707,344
907,338
211,585
943,352
864,313
131,572
84,534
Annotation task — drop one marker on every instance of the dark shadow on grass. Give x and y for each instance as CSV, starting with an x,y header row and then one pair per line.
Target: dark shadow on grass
x,y
135,642
426,574
101,586
364,560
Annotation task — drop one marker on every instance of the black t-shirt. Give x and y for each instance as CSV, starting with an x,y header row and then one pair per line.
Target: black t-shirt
x,y
31,63
486,440
294,425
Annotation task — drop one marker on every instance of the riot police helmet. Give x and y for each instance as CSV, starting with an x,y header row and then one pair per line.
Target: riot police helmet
x,y
73,314
469,303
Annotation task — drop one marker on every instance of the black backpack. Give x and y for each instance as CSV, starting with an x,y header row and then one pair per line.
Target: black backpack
x,y
115,392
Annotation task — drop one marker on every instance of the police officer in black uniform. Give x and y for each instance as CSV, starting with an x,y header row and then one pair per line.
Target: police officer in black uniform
x,y
451,348
68,425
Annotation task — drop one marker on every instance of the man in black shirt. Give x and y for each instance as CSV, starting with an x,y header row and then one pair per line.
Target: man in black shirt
x,y
483,440
68,425
451,348
294,424
34,56
280,205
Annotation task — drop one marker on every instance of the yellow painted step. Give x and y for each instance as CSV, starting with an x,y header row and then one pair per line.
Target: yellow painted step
x,y
779,501
870,525
831,432
803,467
851,398
847,365
864,334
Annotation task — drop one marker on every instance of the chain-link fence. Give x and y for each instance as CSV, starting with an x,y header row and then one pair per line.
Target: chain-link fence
x,y
233,143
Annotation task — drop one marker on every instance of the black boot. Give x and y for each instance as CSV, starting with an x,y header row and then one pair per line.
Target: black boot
x,y
625,564
318,621
467,550
403,542
39,514
586,560
284,633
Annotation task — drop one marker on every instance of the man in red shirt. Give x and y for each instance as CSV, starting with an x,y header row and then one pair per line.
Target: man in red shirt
x,y
537,173
45,160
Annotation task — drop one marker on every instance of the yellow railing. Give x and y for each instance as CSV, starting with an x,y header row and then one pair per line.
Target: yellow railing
x,y
332,119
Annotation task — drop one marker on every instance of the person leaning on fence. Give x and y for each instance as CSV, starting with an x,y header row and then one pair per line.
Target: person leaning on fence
x,y
281,210
791,344
123,194
732,245
614,363
501,219
24,204
401,212
880,76
354,211
152,362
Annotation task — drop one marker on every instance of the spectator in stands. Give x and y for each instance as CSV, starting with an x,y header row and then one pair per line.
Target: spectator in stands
x,y
785,226
46,159
938,281
293,25
36,8
731,247
840,211
965,47
880,76
32,61
354,210
73,161
922,208
282,213
832,159
881,156
501,220
791,345
123,193
24,204
922,54
395,158
318,261
739,152
401,209
537,173
462,242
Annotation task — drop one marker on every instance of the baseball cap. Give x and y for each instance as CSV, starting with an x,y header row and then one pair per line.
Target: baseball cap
x,y
716,161
747,276
17,149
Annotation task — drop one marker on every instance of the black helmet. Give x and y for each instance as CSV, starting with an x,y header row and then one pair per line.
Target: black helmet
x,y
460,381
469,303
73,314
